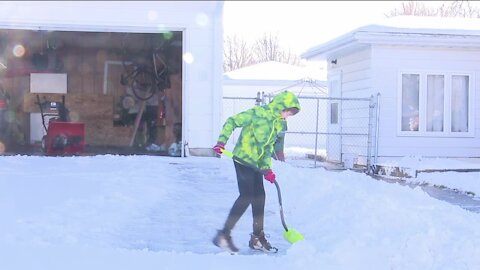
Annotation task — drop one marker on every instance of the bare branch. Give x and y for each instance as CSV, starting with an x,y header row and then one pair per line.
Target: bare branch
x,y
267,48
238,53
456,8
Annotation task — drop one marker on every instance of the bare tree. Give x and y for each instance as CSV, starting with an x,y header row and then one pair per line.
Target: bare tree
x,y
414,8
290,58
267,48
236,53
457,8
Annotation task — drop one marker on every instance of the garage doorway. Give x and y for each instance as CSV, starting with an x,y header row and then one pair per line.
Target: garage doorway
x,y
110,76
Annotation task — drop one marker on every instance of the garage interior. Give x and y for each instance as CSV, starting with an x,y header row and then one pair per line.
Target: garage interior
x,y
125,87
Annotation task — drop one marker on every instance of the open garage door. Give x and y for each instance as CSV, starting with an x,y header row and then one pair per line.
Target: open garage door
x,y
125,87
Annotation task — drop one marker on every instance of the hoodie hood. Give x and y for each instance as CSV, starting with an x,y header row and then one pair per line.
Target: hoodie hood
x,y
284,100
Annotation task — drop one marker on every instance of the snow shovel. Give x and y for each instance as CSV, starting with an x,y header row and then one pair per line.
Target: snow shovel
x,y
291,235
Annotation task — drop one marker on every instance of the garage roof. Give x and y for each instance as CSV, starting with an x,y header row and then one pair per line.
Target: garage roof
x,y
274,71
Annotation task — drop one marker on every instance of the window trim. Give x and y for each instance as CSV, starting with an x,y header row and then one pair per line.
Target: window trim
x,y
447,104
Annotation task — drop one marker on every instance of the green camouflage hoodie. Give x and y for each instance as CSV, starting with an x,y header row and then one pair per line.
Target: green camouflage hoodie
x,y
261,126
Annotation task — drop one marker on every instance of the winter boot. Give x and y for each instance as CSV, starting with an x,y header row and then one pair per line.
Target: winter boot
x,y
259,242
224,241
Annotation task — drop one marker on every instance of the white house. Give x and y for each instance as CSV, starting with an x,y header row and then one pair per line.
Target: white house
x,y
199,24
426,70
241,87
272,76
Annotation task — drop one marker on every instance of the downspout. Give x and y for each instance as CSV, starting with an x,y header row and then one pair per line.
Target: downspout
x,y
185,86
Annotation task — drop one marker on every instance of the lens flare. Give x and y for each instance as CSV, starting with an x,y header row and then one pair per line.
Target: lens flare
x,y
152,15
74,116
202,19
168,35
161,27
188,58
10,116
18,50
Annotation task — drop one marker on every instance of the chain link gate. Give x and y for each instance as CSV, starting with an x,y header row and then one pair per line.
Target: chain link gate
x,y
333,131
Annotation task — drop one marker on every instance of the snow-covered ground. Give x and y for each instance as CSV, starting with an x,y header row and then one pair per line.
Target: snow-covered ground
x,y
149,212
438,172
466,182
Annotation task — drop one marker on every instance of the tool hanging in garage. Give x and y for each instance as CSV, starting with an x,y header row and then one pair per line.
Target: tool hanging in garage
x,y
62,136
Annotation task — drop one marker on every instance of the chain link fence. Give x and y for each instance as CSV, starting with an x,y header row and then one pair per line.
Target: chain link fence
x,y
333,132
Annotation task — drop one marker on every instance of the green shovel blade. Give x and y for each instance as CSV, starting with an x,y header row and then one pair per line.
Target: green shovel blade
x,y
292,236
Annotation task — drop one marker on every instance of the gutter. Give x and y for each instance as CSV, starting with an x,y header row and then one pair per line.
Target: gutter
x,y
332,45
365,38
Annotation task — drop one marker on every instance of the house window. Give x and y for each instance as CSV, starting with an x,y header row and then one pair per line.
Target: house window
x,y
435,100
334,113
435,104
460,99
410,101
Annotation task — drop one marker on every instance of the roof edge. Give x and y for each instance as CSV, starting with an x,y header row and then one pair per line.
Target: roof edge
x,y
341,41
229,81
365,38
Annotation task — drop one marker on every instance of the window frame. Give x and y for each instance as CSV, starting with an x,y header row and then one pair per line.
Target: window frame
x,y
447,121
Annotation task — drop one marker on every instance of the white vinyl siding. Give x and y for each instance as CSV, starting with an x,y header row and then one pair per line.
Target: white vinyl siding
x,y
355,78
435,104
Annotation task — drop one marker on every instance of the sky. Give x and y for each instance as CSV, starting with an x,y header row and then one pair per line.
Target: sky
x,y
150,212
301,25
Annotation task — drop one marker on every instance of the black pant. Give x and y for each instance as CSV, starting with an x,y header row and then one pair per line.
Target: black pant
x,y
252,192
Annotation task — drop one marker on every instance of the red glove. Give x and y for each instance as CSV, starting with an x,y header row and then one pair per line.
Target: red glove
x,y
269,176
219,147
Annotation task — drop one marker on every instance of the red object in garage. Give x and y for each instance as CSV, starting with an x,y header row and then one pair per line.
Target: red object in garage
x,y
64,138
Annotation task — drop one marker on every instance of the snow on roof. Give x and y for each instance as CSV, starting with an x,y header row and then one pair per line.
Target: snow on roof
x,y
407,30
275,71
426,25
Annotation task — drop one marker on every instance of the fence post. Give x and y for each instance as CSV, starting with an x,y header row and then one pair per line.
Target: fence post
x,y
316,134
377,131
371,107
258,100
